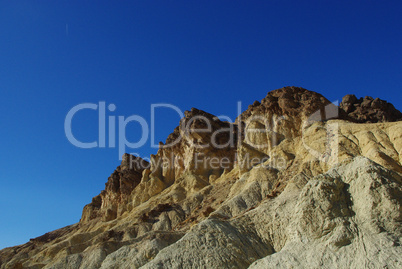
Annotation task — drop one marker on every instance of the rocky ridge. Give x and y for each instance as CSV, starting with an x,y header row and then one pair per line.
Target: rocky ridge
x,y
304,184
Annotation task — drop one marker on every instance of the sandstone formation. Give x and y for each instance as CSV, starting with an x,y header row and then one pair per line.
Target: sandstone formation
x,y
304,184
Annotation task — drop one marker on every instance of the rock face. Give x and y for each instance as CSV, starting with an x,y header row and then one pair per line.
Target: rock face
x,y
280,116
302,186
199,134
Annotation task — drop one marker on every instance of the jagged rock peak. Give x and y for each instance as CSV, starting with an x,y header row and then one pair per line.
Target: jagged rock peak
x,y
369,110
112,201
188,114
194,119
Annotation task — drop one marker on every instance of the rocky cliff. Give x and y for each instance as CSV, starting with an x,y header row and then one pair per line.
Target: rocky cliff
x,y
295,182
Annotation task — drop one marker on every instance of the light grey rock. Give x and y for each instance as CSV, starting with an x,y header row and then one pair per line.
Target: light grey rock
x,y
349,217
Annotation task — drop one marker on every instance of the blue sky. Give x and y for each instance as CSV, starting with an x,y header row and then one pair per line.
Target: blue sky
x,y
55,55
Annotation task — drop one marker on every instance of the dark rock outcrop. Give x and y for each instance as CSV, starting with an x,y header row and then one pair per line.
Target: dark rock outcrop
x,y
368,110
293,102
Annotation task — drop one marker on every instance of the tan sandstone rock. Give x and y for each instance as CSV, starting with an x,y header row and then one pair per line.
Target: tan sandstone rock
x,y
305,187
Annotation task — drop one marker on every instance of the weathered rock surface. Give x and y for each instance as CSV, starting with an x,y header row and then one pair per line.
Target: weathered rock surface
x,y
349,217
199,137
304,186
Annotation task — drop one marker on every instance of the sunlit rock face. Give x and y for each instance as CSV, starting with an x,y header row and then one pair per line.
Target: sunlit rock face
x,y
200,135
202,145
304,184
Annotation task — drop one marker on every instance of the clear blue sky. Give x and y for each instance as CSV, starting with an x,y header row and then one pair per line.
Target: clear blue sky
x,y
205,54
